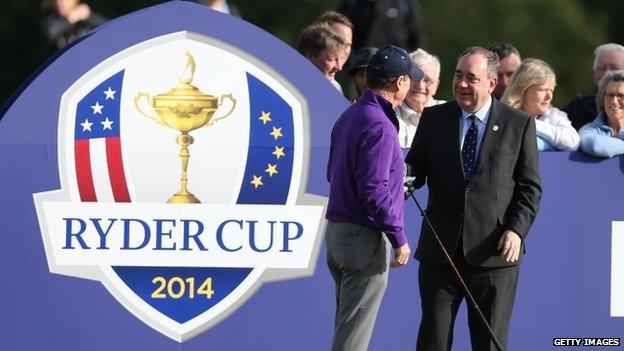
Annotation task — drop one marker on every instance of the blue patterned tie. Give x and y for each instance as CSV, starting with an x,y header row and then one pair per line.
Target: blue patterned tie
x,y
469,149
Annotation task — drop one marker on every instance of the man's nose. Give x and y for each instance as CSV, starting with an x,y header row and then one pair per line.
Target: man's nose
x,y
338,64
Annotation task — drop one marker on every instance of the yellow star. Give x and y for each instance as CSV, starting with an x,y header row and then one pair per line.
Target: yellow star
x,y
271,169
279,152
276,133
266,117
257,181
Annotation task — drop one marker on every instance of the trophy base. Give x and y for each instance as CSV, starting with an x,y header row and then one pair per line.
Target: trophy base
x,y
187,198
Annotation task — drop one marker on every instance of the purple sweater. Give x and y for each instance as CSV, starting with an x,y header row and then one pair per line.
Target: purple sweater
x,y
365,169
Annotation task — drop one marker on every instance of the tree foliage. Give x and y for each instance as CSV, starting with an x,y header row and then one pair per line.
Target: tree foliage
x,y
562,32
559,32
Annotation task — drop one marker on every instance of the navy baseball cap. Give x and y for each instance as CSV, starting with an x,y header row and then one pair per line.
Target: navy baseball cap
x,y
392,61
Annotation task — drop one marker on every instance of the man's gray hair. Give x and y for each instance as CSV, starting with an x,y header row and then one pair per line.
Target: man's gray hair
x,y
606,48
421,57
610,76
493,62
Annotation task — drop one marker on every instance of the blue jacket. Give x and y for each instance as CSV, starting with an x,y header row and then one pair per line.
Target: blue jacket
x,y
597,139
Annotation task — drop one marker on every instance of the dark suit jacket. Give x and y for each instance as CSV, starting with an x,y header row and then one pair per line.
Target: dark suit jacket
x,y
581,110
504,192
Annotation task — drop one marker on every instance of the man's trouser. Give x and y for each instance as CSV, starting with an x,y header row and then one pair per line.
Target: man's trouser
x,y
358,258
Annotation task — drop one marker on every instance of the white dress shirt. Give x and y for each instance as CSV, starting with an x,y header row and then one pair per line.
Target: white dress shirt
x,y
408,121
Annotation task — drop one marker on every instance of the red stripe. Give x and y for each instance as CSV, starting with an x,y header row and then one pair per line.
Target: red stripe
x,y
116,170
83,171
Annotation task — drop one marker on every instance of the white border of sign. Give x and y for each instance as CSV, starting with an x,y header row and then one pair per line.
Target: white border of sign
x,y
105,274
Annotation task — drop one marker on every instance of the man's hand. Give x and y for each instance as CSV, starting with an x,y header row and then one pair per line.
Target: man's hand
x,y
401,256
408,186
509,246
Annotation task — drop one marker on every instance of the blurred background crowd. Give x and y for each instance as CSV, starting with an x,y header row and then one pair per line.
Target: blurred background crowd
x,y
560,37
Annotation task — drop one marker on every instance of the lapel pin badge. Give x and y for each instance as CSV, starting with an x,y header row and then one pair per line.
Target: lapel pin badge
x,y
495,128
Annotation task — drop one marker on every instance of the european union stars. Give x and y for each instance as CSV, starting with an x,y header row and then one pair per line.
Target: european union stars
x,y
106,123
278,152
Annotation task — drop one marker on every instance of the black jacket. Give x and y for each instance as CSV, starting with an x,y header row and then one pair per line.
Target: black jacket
x,y
581,110
504,192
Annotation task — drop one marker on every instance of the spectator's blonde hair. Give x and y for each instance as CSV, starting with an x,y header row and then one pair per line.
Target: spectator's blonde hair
x,y
531,72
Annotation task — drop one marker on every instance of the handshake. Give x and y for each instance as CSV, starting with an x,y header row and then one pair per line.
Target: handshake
x,y
408,186
402,254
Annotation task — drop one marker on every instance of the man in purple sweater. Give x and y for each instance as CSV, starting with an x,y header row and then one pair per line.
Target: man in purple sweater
x,y
365,172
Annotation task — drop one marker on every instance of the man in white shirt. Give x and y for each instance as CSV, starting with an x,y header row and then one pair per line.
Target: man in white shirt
x,y
419,96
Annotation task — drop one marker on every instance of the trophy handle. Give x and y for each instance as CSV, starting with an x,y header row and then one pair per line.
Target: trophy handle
x,y
150,101
219,103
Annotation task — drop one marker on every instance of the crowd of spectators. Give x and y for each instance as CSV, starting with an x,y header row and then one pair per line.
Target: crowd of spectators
x,y
592,122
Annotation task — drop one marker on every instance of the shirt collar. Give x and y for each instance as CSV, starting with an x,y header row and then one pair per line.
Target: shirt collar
x,y
405,111
601,121
370,96
482,114
224,8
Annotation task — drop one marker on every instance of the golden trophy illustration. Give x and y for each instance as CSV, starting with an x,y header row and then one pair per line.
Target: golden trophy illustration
x,y
184,108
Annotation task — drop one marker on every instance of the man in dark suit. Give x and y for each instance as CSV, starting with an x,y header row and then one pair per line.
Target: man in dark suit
x,y
479,159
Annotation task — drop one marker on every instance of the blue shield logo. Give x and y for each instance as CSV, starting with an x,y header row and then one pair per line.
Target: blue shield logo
x,y
183,165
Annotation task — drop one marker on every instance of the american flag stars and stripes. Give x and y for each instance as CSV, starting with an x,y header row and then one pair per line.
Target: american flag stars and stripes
x,y
97,144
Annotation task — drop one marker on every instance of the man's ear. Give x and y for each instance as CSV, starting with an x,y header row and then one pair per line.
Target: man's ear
x,y
398,82
493,84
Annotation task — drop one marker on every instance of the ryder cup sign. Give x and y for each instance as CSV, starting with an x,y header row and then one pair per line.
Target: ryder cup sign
x,y
183,163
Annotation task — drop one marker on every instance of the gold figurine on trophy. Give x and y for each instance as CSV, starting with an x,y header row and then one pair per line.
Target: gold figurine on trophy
x,y
184,108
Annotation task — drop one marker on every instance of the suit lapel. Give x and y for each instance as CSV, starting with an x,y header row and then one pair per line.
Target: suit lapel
x,y
451,128
492,131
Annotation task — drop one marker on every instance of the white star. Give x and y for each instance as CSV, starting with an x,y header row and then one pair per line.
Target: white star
x,y
97,108
110,93
107,124
86,125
